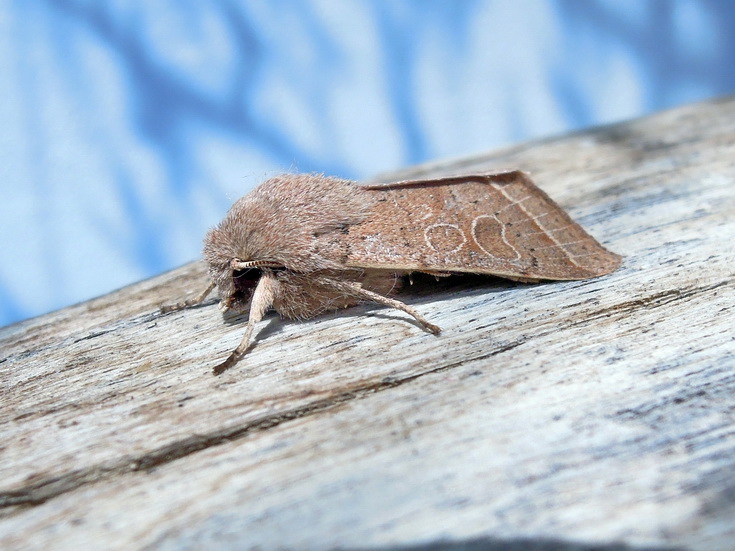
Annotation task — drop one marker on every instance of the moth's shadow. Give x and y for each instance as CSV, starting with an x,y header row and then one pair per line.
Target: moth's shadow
x,y
420,289
274,326
420,285
425,288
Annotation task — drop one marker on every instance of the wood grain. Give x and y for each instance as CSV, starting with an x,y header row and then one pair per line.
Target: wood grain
x,y
588,412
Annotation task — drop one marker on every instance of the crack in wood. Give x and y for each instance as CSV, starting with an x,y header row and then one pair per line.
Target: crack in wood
x,y
43,490
661,298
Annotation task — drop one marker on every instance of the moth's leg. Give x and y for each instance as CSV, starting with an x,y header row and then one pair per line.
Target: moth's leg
x,y
436,274
356,290
191,302
260,303
523,279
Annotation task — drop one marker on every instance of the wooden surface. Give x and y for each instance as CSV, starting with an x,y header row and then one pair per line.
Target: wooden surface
x,y
562,414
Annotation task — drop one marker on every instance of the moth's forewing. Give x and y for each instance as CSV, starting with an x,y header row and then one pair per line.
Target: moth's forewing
x,y
500,224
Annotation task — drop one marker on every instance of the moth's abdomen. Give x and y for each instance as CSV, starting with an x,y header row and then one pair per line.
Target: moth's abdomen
x,y
304,296
496,224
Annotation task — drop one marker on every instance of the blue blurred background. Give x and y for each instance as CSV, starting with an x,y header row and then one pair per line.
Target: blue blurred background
x,y
127,128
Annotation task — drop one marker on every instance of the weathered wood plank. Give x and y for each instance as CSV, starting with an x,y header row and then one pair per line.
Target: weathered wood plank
x,y
597,411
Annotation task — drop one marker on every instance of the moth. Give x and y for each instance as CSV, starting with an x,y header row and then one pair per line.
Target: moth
x,y
305,244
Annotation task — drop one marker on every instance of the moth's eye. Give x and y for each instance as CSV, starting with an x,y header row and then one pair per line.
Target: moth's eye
x,y
246,280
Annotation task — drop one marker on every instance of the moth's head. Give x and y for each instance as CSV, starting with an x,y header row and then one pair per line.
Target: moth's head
x,y
235,278
295,222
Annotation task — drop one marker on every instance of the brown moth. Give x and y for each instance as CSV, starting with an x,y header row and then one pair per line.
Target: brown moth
x,y
306,244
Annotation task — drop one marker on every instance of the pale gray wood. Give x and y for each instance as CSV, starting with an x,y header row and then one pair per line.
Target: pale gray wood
x,y
590,412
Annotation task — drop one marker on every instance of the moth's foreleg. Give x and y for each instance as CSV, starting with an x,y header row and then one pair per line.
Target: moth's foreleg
x,y
191,302
260,303
356,290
